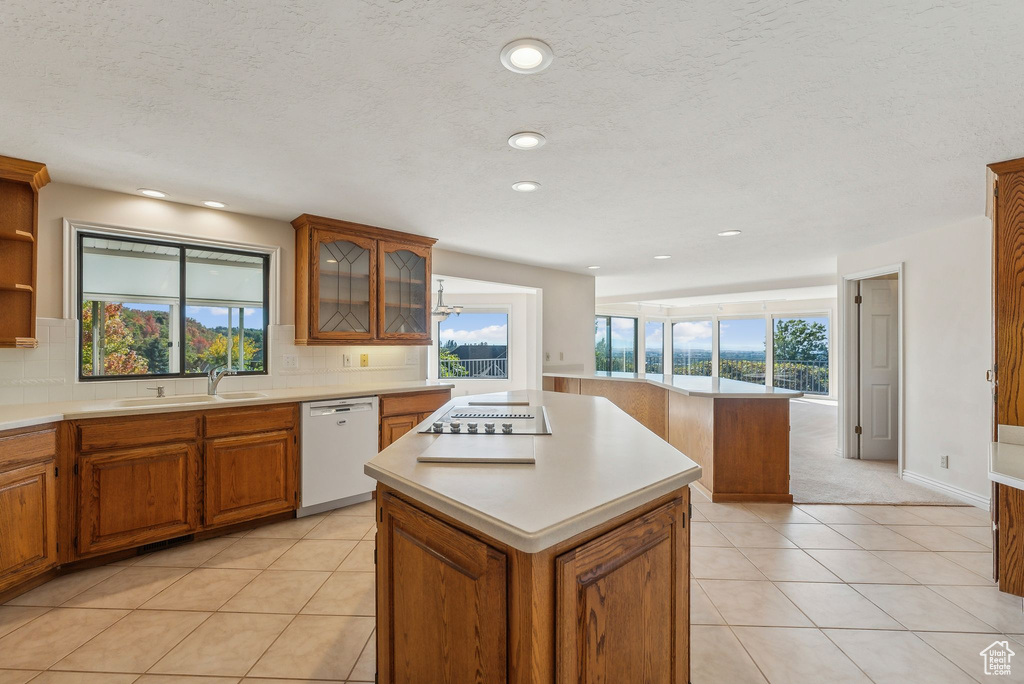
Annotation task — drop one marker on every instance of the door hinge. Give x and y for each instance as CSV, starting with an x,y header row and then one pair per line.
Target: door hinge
x,y
858,430
858,299
58,547
375,556
75,469
56,471
75,542
995,189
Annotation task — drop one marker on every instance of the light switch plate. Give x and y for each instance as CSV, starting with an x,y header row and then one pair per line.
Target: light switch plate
x,y
346,360
364,360
289,361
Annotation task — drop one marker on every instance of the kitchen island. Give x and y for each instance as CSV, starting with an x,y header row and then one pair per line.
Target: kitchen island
x,y
738,432
572,569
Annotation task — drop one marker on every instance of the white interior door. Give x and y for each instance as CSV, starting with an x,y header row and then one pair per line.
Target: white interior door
x,y
879,369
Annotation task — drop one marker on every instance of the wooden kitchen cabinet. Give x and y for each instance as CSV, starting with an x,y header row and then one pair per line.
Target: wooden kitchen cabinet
x,y
445,609
358,284
608,605
28,505
623,603
401,413
20,181
130,497
404,311
393,427
249,476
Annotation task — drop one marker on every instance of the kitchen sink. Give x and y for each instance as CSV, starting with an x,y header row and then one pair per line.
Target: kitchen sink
x,y
240,395
167,401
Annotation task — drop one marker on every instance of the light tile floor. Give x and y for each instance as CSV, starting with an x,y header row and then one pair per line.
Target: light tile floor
x,y
779,594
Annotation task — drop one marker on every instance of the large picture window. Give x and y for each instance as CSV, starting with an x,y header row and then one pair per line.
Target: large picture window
x,y
800,356
741,349
615,343
473,345
654,347
155,308
691,347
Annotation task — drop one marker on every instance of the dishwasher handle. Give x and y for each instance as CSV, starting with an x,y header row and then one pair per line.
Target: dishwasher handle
x,y
335,409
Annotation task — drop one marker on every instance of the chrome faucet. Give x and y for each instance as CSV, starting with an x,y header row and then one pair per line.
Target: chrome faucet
x,y
160,391
213,379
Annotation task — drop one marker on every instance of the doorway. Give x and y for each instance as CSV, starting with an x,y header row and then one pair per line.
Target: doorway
x,y
871,420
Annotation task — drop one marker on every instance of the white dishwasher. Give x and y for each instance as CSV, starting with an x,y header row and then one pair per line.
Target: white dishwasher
x,y
338,437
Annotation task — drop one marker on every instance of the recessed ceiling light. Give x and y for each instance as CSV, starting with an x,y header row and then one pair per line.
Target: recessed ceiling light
x,y
729,233
593,268
526,56
213,204
156,194
526,186
527,140
663,256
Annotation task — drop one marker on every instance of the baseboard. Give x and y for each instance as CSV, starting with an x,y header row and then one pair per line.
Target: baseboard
x,y
948,489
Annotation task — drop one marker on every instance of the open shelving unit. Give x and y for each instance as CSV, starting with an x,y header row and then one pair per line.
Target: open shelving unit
x,y
20,181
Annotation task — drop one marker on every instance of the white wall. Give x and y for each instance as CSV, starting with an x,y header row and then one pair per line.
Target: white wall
x,y
947,338
523,366
567,304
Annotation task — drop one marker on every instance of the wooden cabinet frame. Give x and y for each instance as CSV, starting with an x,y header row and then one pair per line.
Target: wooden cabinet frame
x,y
387,247
310,232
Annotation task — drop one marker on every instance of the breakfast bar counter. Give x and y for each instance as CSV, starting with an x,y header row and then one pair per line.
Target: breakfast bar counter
x,y
572,568
738,432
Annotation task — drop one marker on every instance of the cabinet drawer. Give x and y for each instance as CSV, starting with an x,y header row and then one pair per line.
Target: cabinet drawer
x,y
27,447
420,402
138,431
248,420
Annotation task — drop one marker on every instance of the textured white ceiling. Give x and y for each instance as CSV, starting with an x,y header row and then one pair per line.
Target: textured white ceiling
x,y
815,127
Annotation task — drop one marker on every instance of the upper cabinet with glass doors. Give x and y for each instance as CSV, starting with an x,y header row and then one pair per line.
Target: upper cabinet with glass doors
x,y
357,284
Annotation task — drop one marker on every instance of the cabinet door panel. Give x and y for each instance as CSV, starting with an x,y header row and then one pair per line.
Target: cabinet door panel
x,y
249,477
393,427
404,311
442,602
135,496
28,522
623,603
344,282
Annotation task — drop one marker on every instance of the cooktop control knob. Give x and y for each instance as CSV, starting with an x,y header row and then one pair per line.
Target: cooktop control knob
x,y
471,427
489,428
455,426
438,427
506,428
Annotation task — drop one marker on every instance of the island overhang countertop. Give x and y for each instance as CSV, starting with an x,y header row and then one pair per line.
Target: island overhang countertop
x,y
596,464
692,385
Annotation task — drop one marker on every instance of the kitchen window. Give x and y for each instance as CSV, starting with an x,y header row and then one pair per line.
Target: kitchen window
x,y
615,343
473,345
154,308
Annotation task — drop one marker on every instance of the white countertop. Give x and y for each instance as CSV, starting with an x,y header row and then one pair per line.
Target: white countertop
x,y
25,415
693,385
1006,457
597,463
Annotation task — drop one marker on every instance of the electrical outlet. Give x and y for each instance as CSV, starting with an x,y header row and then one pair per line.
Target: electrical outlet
x,y
944,461
364,360
346,360
547,356
561,356
289,361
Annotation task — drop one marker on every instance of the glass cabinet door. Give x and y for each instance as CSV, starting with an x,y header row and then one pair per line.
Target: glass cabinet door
x,y
345,283
405,295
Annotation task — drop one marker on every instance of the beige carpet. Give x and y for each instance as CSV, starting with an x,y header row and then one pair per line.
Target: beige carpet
x,y
817,475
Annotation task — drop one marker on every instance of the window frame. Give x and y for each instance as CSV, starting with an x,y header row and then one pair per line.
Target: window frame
x,y
666,326
507,311
713,320
636,342
78,235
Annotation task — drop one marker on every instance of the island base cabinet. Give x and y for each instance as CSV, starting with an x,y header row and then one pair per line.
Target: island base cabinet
x,y
623,604
456,606
135,496
1010,539
441,604
28,523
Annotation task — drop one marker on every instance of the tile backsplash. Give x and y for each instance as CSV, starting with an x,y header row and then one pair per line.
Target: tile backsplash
x,y
49,373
